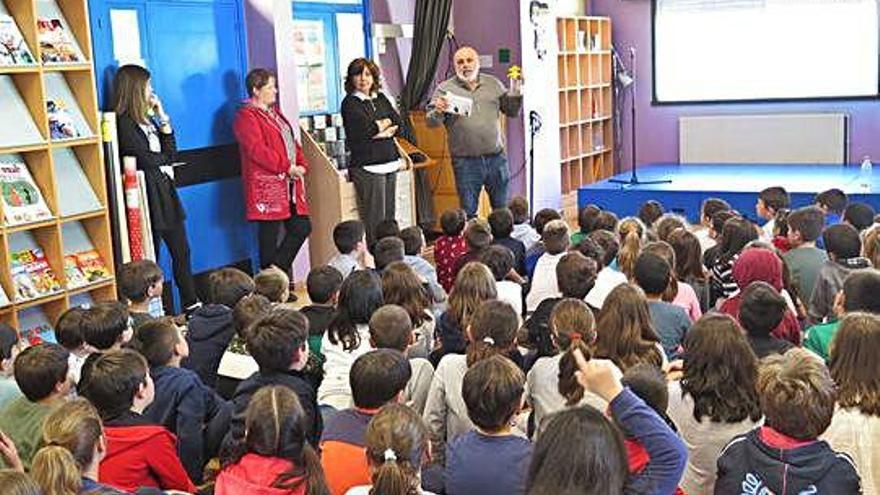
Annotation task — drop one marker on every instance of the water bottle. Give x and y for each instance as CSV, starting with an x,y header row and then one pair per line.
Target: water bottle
x,y
866,175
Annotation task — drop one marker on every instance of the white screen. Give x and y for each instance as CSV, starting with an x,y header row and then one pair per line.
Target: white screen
x,y
716,50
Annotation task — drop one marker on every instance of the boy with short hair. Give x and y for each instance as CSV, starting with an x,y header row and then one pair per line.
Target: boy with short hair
x,y
608,278
490,458
859,215
770,201
500,261
273,283
478,237
348,237
210,328
9,349
586,223
797,396
69,333
859,293
139,454
41,375
391,328
652,274
182,404
377,378
449,246
761,310
832,202
844,248
544,284
413,242
804,260
323,284
141,282
534,253
501,223
106,326
387,250
522,228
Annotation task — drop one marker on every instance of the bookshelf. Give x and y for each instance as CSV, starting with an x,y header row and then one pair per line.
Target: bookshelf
x,y
586,131
49,122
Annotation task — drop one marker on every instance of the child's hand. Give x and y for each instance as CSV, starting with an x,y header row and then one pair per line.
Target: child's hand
x,y
599,376
10,453
674,370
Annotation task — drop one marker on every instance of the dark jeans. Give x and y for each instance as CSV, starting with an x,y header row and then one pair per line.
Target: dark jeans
x,y
376,199
474,172
181,266
296,230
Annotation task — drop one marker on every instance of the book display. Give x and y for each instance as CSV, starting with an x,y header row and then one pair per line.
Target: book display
x,y
55,243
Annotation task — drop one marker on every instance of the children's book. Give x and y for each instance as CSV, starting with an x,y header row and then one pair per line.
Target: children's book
x,y
91,265
62,124
57,45
74,276
22,200
32,275
13,49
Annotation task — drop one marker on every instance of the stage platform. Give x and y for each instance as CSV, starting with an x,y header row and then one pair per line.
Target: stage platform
x,y
738,184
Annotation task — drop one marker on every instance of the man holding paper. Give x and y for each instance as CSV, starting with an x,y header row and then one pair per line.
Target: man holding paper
x,y
469,105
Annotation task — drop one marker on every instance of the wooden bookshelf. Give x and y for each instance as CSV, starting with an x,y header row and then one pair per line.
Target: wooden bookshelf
x,y
40,155
586,131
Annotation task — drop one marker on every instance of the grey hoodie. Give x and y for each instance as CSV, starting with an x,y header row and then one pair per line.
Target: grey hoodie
x,y
828,284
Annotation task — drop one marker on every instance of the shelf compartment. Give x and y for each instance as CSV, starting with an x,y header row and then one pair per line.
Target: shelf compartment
x,y
86,246
31,278
27,188
78,171
23,119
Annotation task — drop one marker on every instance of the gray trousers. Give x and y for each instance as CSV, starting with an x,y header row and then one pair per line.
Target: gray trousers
x,y
376,198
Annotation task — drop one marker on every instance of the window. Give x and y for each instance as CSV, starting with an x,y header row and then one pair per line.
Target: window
x,y
328,34
738,50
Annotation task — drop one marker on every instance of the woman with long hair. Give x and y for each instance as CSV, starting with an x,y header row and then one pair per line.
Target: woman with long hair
x,y
625,334
716,399
401,286
145,132
275,457
273,170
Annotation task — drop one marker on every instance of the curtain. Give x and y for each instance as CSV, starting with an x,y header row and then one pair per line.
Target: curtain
x,y
431,22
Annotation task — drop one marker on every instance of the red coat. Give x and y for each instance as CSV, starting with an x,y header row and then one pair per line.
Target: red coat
x,y
264,166
254,475
142,456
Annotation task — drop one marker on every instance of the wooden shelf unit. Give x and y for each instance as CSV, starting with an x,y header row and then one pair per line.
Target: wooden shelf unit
x,y
30,83
586,124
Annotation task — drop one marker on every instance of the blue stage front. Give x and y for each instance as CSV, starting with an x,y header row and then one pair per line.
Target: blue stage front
x,y
738,184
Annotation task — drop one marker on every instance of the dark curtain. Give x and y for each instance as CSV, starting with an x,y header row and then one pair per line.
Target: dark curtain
x,y
431,22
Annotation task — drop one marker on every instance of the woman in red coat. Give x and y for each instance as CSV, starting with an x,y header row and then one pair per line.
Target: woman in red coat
x,y
273,172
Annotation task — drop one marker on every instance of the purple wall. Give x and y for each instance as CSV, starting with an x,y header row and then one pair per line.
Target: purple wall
x,y
657,126
395,60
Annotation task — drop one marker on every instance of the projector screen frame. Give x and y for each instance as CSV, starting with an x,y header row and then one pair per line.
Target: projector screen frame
x,y
657,102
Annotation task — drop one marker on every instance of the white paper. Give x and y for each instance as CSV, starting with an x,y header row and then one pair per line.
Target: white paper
x,y
126,33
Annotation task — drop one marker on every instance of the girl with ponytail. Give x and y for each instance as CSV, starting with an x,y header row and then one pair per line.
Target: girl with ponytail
x,y
631,232
491,330
75,444
275,457
397,446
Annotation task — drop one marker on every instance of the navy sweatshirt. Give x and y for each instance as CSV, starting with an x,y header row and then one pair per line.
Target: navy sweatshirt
x,y
209,332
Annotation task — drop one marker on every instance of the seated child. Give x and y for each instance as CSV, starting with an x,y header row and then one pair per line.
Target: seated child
x,y
14,482
449,246
716,229
323,285
534,253
277,342
653,274
832,202
387,228
780,231
139,453
69,333
522,228
348,237
844,247
391,328
490,459
9,349
804,259
500,260
770,201
761,311
274,456
543,283
736,234
106,326
650,212
478,237
41,373
141,283
678,292
608,277
377,378
182,403
413,242
859,293
273,283
397,447
704,230
474,285
402,287
501,223
210,329
859,215
632,234
387,250
586,223
797,396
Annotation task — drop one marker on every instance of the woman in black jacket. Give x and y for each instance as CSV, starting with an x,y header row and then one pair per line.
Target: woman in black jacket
x,y
371,123
144,132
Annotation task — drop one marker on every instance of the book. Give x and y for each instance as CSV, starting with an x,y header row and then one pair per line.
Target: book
x,y
13,49
35,327
66,119
22,200
56,42
91,265
32,276
72,273
61,120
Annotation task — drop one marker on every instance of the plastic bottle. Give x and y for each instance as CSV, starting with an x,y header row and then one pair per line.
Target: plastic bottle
x,y
866,173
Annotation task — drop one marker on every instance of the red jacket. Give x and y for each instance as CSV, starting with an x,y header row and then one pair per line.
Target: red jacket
x,y
142,456
264,166
638,459
254,475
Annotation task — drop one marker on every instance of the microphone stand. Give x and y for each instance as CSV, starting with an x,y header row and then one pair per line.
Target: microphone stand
x,y
634,178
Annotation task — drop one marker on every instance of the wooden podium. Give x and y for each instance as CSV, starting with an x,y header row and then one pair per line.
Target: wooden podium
x,y
332,197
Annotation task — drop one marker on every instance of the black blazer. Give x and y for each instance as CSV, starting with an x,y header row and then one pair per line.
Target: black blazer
x,y
166,210
359,119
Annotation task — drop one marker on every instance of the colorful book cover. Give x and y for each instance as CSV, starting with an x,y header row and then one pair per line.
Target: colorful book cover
x,y
73,274
22,201
56,43
32,275
91,265
13,49
61,122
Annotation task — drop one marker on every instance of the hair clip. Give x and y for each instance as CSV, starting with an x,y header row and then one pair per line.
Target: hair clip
x,y
488,340
576,336
390,456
